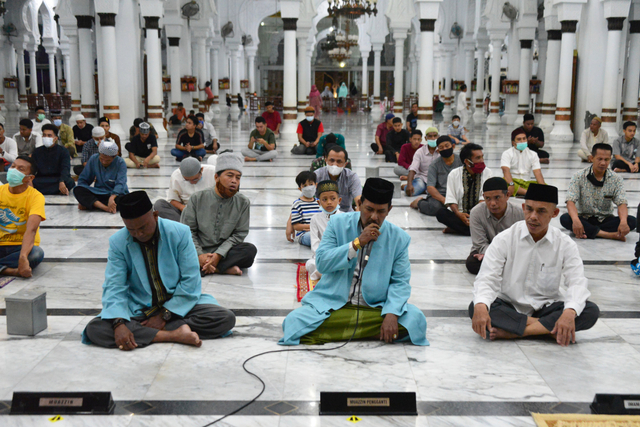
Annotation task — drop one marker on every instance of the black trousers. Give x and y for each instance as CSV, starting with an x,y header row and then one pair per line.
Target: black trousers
x,y
473,264
592,225
619,164
241,255
87,198
77,169
451,220
207,320
541,153
389,153
504,316
50,185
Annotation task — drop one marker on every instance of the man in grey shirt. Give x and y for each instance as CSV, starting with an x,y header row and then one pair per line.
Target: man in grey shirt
x,y
490,218
437,178
348,181
219,221
624,150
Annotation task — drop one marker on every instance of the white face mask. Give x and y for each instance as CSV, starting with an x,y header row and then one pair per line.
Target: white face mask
x,y
334,170
309,191
456,123
310,118
47,141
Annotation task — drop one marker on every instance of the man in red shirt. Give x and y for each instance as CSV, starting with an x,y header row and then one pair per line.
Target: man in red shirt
x,y
381,134
272,117
406,154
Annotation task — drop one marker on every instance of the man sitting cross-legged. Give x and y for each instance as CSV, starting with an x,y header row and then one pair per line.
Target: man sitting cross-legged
x,y
592,193
490,218
518,162
219,221
152,288
262,143
517,292
188,179
108,174
364,262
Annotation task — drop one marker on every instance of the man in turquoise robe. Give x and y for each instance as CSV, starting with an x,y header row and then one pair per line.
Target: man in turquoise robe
x,y
353,245
152,288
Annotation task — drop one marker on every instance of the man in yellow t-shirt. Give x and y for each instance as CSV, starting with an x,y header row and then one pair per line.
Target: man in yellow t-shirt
x,y
21,211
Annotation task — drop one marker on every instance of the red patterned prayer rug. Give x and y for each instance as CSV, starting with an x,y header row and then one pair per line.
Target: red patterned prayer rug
x,y
304,285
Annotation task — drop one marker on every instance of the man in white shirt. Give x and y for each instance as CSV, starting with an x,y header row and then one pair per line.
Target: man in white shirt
x,y
8,150
40,120
210,135
186,180
513,298
464,190
518,162
590,137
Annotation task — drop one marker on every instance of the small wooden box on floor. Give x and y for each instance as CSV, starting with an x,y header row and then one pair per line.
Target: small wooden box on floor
x,y
26,312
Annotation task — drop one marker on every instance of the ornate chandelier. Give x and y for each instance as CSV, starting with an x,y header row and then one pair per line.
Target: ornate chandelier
x,y
339,54
352,9
346,41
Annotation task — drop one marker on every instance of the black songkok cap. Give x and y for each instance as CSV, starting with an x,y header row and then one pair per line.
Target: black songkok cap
x,y
378,191
134,205
495,183
542,193
328,185
104,119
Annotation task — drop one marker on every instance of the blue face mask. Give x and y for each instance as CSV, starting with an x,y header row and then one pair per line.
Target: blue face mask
x,y
330,213
522,145
57,122
309,118
14,177
433,143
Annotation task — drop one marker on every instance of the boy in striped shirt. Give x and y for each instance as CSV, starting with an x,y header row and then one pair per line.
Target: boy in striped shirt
x,y
304,207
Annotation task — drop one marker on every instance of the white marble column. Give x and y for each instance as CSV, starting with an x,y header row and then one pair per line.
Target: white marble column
x,y
22,84
289,90
469,51
110,99
412,86
251,72
174,59
154,80
215,58
437,72
365,75
425,75
73,81
447,113
524,79
375,108
195,67
303,72
610,101
478,115
52,71
496,43
33,70
550,86
203,73
59,69
235,81
562,125
398,73
630,111
87,67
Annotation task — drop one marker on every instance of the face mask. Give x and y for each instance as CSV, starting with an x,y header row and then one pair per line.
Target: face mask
x,y
446,153
41,117
477,167
201,122
522,145
57,122
456,123
329,213
433,143
334,170
224,192
309,118
14,177
590,176
47,142
309,191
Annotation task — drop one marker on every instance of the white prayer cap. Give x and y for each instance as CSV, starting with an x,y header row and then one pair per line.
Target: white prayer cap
x,y
79,117
190,167
97,131
108,148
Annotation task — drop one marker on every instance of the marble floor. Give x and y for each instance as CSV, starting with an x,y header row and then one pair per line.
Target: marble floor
x,y
459,380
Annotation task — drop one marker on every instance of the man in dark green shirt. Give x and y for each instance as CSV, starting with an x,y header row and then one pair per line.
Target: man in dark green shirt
x,y
262,143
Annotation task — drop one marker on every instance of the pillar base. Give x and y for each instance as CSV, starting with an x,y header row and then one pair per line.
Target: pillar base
x,y
397,110
478,116
509,118
447,113
375,109
289,126
234,111
612,129
561,131
494,119
158,125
